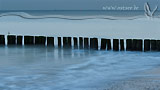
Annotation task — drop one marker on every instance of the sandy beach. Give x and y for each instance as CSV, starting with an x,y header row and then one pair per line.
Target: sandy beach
x,y
147,80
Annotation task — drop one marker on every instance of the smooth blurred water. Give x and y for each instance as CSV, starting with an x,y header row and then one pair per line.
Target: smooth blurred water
x,y
81,12
114,13
47,68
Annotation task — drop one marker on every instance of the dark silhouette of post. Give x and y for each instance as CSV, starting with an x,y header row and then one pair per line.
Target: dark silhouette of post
x,y
134,45
59,42
86,43
40,40
115,44
28,40
11,40
103,44
75,42
91,43
147,45
153,45
139,45
19,40
129,45
80,42
158,45
65,42
2,40
109,44
50,41
122,44
95,43
69,40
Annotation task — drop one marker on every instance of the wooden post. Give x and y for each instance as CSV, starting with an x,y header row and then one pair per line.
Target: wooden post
x,y
80,43
134,45
65,42
158,45
122,44
129,44
29,40
50,41
75,42
37,40
11,40
115,44
139,45
103,44
59,42
19,40
40,40
95,43
147,45
109,44
91,43
86,43
69,39
153,45
2,40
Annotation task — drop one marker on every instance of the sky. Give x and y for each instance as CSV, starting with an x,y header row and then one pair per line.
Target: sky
x,y
71,4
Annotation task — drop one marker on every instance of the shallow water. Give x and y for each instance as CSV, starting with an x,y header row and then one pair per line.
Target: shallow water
x,y
41,68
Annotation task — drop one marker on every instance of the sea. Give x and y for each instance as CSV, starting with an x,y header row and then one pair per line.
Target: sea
x,y
48,68
78,14
53,68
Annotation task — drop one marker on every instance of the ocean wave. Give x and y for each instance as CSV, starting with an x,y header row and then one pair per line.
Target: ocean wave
x,y
70,17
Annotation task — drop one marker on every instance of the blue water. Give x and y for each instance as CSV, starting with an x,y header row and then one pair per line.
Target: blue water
x,y
41,68
116,13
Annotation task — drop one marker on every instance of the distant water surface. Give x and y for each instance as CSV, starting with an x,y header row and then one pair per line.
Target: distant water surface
x,y
78,14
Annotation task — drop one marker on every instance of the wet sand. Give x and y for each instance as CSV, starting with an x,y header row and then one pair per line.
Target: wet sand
x,y
147,80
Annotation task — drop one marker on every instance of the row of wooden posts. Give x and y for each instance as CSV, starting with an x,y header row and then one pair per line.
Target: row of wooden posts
x,y
118,44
